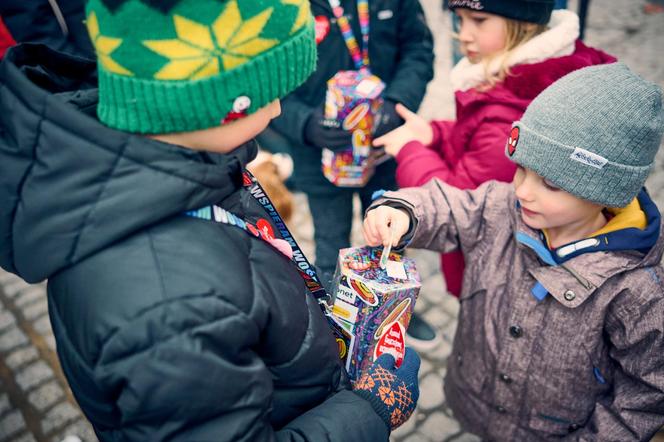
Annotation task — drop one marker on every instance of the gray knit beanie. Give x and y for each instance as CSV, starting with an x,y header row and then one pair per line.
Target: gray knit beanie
x,y
593,133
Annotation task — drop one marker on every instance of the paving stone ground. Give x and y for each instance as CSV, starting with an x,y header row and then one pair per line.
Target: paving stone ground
x,y
35,402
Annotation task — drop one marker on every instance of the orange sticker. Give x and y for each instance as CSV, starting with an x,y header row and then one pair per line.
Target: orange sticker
x,y
355,116
363,292
393,316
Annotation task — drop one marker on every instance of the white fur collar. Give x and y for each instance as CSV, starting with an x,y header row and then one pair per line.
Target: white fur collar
x,y
557,41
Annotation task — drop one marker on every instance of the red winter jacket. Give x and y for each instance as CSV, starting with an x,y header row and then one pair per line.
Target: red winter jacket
x,y
471,150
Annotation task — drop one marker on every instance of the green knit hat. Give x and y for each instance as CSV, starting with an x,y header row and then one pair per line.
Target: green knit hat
x,y
182,65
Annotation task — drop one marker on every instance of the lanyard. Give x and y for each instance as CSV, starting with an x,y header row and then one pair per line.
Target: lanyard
x,y
304,267
222,216
361,60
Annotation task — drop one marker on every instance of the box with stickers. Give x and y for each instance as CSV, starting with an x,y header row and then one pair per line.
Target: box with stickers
x,y
373,304
353,99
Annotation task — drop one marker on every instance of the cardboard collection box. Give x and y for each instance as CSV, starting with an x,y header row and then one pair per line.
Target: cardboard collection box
x,y
373,305
353,100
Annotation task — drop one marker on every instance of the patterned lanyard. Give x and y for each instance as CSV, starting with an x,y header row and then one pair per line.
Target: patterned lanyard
x,y
361,60
222,216
302,264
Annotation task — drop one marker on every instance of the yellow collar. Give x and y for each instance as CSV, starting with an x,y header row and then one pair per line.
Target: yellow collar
x,y
630,216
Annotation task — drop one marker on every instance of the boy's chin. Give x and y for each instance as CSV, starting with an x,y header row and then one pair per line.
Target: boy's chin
x,y
530,223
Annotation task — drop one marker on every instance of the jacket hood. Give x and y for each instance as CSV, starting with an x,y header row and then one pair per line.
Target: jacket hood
x,y
527,81
543,74
538,63
70,186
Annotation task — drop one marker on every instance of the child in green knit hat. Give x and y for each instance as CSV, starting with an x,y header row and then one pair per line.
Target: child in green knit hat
x,y
181,305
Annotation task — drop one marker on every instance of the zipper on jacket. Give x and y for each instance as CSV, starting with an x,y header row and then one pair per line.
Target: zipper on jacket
x,y
584,282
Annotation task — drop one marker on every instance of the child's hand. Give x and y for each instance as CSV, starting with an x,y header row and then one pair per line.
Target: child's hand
x,y
383,223
415,128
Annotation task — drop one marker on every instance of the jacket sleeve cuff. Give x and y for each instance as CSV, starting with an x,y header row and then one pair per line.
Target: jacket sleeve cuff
x,y
376,404
401,205
437,134
409,149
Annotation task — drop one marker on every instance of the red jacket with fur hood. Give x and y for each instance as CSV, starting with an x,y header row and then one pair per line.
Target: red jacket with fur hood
x,y
471,150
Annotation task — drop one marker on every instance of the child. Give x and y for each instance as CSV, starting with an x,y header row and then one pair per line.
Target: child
x,y
514,50
560,330
401,54
177,312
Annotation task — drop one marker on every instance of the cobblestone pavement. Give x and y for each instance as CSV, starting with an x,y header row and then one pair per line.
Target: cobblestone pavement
x,y
35,403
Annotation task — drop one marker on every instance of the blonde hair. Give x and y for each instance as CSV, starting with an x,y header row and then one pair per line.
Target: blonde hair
x,y
517,33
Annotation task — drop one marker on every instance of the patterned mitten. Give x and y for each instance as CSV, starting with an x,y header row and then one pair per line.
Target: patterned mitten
x,y
391,391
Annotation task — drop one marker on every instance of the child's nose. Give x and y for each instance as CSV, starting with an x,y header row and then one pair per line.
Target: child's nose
x,y
464,34
523,189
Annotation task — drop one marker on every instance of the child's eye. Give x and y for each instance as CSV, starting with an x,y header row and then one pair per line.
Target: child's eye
x,y
478,18
549,185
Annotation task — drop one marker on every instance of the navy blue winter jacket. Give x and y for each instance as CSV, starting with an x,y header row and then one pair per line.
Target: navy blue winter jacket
x,y
168,328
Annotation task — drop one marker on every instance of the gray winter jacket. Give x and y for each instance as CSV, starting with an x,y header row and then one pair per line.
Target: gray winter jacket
x,y
584,363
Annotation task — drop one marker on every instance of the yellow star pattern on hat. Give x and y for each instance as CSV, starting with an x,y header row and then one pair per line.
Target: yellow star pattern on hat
x,y
104,46
202,51
302,15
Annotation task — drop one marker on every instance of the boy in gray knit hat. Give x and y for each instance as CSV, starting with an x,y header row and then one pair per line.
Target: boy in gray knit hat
x,y
560,329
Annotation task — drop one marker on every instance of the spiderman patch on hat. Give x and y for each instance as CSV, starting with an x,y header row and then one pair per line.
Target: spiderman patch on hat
x,y
512,141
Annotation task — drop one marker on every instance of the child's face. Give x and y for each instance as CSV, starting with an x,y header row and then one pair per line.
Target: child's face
x,y
481,34
545,206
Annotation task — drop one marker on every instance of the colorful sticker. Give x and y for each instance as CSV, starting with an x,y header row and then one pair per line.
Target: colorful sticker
x,y
360,139
392,342
355,116
342,348
265,227
345,311
344,292
363,292
393,316
359,263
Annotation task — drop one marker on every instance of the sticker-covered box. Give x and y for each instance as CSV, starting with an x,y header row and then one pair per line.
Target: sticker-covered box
x,y
373,305
353,100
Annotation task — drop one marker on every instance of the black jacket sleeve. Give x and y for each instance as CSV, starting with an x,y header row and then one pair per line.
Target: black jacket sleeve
x,y
206,382
415,68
